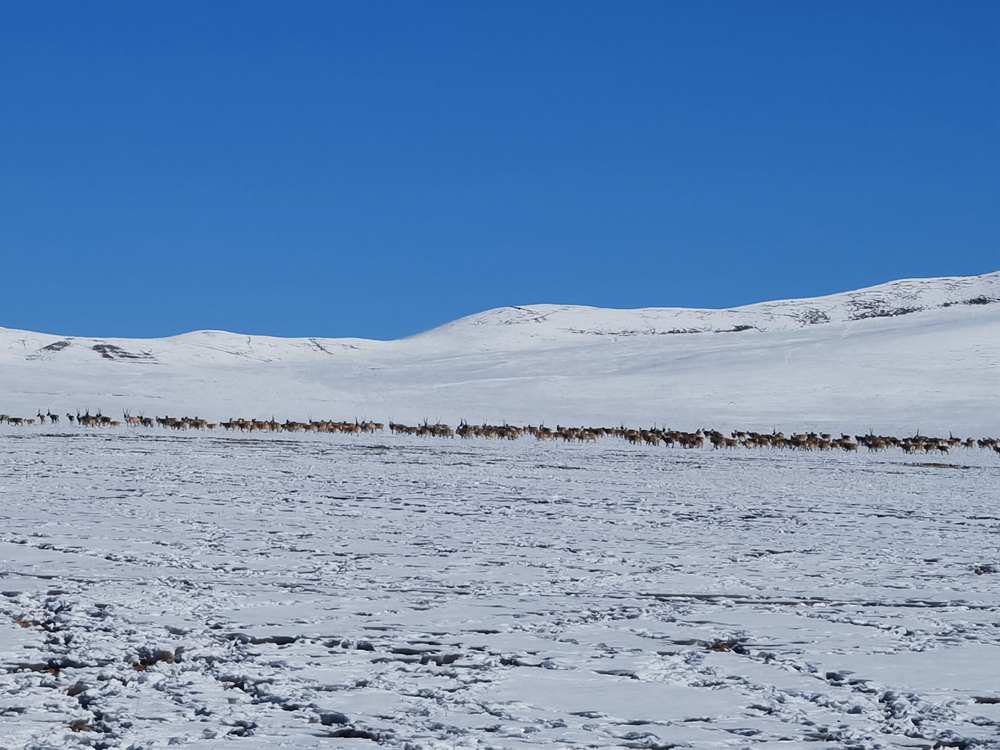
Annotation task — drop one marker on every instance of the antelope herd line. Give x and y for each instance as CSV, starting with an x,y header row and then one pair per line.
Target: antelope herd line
x,y
811,441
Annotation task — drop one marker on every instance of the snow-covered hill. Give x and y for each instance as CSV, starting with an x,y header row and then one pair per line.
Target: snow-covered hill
x,y
918,353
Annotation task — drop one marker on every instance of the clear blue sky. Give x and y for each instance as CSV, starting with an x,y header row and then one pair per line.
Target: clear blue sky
x,y
377,168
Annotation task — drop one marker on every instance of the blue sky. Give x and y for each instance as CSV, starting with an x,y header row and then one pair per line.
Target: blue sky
x,y
378,168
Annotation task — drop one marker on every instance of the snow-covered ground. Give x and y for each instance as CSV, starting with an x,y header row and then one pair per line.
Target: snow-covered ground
x,y
224,591
918,354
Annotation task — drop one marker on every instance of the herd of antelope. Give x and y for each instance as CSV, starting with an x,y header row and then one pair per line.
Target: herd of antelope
x,y
193,423
809,441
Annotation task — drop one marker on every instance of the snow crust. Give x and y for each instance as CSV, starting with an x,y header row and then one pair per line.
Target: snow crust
x,y
307,591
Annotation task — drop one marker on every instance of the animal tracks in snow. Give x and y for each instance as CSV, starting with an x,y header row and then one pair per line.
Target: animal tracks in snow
x,y
196,591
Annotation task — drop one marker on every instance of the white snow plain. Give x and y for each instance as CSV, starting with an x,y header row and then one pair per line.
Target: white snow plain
x,y
221,590
316,591
910,355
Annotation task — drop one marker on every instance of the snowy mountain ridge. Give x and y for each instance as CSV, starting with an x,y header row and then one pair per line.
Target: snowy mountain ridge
x,y
551,321
879,356
892,299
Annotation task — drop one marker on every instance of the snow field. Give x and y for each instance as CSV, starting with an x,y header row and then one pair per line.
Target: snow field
x,y
313,591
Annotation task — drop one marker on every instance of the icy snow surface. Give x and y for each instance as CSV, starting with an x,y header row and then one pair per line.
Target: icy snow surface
x,y
316,591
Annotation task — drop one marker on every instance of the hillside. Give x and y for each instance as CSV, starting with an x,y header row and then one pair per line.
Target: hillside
x,y
912,354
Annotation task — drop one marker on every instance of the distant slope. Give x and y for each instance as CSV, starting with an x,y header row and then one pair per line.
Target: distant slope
x,y
897,298
918,353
